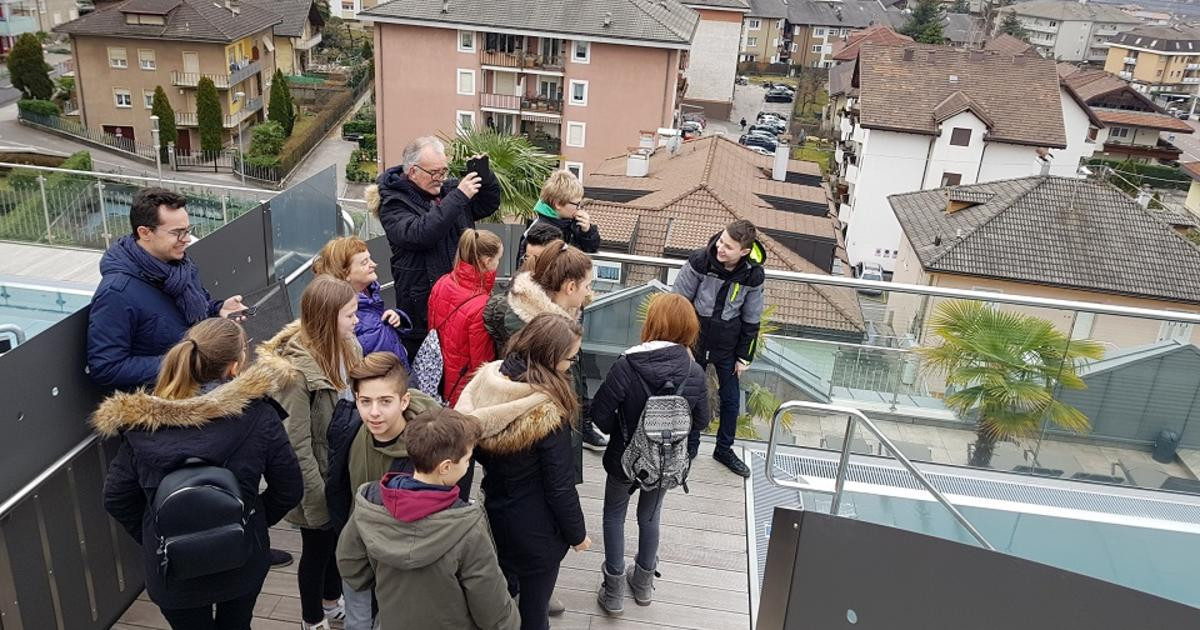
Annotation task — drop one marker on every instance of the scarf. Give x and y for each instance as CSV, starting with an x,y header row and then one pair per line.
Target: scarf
x,y
180,280
514,368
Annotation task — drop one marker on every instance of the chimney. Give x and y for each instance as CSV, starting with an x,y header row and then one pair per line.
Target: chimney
x,y
1143,197
445,6
608,19
638,162
780,167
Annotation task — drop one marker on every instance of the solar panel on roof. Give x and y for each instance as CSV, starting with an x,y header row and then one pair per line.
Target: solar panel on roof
x,y
796,206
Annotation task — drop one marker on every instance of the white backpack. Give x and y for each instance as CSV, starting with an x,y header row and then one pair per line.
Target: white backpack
x,y
655,455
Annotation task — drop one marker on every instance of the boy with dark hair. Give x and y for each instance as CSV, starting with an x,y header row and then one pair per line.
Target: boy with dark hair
x,y
428,555
724,282
385,407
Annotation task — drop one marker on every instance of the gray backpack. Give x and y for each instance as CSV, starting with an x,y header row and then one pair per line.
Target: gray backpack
x,y
655,455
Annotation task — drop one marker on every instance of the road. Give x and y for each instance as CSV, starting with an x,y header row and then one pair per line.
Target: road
x,y
1188,143
747,103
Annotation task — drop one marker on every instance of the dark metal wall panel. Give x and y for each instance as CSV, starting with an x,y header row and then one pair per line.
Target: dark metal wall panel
x,y
47,400
56,501
88,472
234,260
23,542
846,573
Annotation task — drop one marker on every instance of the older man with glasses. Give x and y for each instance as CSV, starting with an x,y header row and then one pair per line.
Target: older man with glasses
x,y
149,294
423,214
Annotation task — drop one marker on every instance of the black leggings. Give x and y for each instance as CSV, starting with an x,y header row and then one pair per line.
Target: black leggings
x,y
318,573
535,590
234,614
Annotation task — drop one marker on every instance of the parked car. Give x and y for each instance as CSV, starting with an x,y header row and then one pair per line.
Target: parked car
x,y
778,96
754,140
871,271
774,124
696,117
691,126
759,150
742,80
763,115
763,129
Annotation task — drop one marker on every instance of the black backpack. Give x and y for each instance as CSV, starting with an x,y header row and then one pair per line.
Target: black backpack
x,y
200,517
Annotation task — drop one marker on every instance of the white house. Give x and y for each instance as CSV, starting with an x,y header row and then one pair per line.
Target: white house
x,y
1070,31
712,62
927,117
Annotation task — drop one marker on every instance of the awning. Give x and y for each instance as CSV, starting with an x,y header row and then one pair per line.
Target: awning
x,y
268,44
539,117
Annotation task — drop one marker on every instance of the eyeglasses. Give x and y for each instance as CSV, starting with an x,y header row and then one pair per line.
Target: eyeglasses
x,y
579,205
574,360
180,234
440,173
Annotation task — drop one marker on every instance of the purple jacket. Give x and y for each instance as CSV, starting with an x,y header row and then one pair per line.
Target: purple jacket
x,y
374,334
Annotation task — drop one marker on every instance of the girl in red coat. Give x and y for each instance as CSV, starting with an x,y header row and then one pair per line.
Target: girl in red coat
x,y
456,309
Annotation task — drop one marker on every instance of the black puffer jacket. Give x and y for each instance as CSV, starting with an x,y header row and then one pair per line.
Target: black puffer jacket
x,y
729,303
423,231
617,407
234,420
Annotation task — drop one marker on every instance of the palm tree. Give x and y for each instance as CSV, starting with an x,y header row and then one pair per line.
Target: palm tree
x,y
520,167
1004,368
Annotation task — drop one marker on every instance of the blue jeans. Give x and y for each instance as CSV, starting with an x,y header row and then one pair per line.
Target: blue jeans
x,y
730,394
358,608
616,503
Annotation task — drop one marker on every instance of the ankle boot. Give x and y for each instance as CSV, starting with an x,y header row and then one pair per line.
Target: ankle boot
x,y
612,592
641,584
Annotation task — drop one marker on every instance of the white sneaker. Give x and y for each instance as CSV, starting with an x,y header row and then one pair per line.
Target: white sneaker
x,y
335,614
323,625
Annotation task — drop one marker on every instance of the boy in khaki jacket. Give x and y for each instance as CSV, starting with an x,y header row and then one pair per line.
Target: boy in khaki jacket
x,y
428,555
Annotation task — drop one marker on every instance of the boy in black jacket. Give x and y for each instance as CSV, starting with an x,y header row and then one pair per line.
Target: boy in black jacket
x,y
724,281
561,205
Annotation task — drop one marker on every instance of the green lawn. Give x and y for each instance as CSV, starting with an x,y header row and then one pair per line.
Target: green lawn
x,y
812,151
758,79
812,111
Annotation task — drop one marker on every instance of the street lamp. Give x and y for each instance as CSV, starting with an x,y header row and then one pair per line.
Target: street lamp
x,y
240,99
154,131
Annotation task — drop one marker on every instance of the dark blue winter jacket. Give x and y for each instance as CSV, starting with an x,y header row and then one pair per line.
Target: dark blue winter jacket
x,y
131,325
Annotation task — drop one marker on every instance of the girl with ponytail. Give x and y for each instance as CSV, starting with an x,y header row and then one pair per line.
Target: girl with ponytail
x,y
207,404
456,309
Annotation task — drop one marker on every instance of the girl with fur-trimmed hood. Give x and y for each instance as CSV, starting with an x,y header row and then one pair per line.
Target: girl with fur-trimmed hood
x,y
524,404
204,405
321,349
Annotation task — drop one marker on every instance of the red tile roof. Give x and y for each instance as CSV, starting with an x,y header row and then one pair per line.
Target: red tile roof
x,y
1145,120
847,50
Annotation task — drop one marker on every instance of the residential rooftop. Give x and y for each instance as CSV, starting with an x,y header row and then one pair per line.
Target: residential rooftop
x,y
771,9
180,20
847,49
901,90
294,14
1115,103
1008,45
843,14
1054,231
647,22
1072,11
1168,39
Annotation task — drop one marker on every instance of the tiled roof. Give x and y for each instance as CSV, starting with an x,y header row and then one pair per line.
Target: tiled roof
x,y
1008,45
651,21
695,193
847,50
1192,168
1090,83
1146,120
900,88
771,9
961,28
841,79
1072,11
293,12
1056,231
843,14
1175,39
190,20
959,102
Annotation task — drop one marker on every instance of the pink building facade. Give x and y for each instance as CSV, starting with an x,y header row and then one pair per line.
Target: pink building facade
x,y
584,99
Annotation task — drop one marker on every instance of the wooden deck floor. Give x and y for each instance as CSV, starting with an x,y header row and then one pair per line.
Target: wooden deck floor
x,y
703,561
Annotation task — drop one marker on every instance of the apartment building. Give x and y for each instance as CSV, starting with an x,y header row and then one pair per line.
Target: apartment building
x,y
922,117
581,80
1048,237
349,9
297,35
124,50
1070,31
1133,123
814,26
712,63
1160,61
763,33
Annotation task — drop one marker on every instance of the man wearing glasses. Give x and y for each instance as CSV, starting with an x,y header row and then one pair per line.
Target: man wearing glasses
x,y
423,214
149,295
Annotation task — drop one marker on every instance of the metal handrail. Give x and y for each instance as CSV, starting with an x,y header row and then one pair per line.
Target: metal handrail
x,y
16,331
855,417
932,291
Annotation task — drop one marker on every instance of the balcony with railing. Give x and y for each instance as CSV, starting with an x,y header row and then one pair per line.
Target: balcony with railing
x,y
309,42
507,102
1125,74
542,105
221,81
1130,60
522,60
190,119
17,25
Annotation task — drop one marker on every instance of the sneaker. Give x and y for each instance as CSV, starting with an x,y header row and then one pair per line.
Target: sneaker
x,y
336,612
731,461
323,625
557,607
279,558
593,440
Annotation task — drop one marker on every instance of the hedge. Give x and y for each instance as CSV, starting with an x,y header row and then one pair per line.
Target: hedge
x,y
39,107
1156,175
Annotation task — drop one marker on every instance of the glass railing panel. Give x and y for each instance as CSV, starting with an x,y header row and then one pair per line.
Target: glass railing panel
x,y
33,309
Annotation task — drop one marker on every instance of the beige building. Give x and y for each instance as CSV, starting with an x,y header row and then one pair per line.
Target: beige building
x,y
1162,62
297,35
1050,237
125,50
581,85
763,30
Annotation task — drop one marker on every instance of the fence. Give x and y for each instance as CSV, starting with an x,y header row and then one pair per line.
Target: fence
x,y
78,130
758,67
88,209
